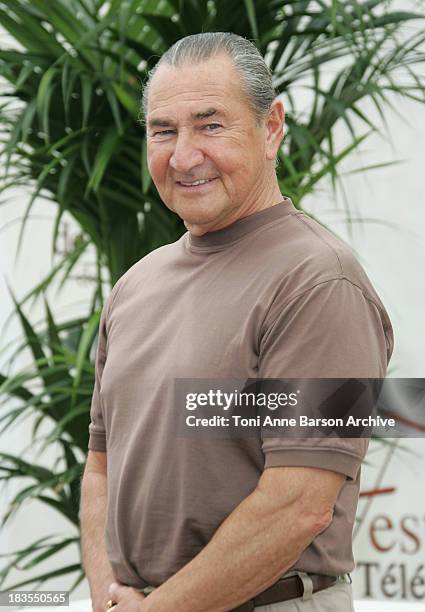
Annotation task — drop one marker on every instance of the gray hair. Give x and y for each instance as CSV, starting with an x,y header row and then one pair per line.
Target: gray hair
x,y
255,75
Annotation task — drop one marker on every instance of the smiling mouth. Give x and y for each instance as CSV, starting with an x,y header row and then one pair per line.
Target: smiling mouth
x,y
196,183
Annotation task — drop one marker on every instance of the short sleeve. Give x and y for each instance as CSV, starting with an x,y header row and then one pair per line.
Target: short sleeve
x,y
97,434
332,330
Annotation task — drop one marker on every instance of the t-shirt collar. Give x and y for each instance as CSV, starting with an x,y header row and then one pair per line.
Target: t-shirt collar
x,y
243,226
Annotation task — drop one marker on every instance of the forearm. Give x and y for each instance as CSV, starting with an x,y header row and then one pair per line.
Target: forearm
x,y
244,557
92,521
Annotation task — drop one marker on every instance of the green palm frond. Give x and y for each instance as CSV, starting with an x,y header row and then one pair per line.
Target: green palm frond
x,y
56,389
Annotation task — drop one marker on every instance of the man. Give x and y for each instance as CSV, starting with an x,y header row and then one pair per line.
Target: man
x,y
253,289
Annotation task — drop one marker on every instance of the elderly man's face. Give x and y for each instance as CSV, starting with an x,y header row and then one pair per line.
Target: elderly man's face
x,y
208,158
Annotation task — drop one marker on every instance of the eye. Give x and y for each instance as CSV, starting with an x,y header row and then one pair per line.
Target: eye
x,y
163,133
210,127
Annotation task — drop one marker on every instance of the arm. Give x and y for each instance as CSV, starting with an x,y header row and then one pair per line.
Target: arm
x,y
92,518
257,543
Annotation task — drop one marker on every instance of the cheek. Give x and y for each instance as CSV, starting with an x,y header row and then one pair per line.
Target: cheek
x,y
234,156
236,169
157,162
228,160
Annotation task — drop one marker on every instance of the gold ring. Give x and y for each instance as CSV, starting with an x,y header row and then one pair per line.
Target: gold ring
x,y
110,605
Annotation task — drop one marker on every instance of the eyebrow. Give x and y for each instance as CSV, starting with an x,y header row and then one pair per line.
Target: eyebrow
x,y
205,114
160,122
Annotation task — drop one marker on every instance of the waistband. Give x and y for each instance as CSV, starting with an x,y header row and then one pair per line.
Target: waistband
x,y
306,579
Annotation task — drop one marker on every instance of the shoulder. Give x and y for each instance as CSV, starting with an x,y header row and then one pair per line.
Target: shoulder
x,y
303,253
315,270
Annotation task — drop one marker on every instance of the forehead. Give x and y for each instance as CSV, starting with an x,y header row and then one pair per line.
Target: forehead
x,y
212,83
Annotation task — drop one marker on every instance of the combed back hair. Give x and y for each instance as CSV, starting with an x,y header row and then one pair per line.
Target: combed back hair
x,y
254,73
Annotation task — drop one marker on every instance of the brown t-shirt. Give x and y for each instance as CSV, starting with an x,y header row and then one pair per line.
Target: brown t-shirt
x,y
272,295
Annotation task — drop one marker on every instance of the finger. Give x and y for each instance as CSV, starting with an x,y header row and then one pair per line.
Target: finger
x,y
114,591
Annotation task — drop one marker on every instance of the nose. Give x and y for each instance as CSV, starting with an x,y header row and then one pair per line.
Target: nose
x,y
186,155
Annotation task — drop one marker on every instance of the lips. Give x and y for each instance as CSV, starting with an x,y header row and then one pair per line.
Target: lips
x,y
196,183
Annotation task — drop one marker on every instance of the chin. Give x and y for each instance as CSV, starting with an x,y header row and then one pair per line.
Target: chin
x,y
196,215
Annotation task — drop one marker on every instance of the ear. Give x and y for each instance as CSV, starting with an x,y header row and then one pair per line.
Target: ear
x,y
274,123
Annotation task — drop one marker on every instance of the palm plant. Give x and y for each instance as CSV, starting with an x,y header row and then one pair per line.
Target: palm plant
x,y
56,388
71,131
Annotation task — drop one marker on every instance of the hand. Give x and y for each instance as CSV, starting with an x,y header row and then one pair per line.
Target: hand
x,y
127,598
